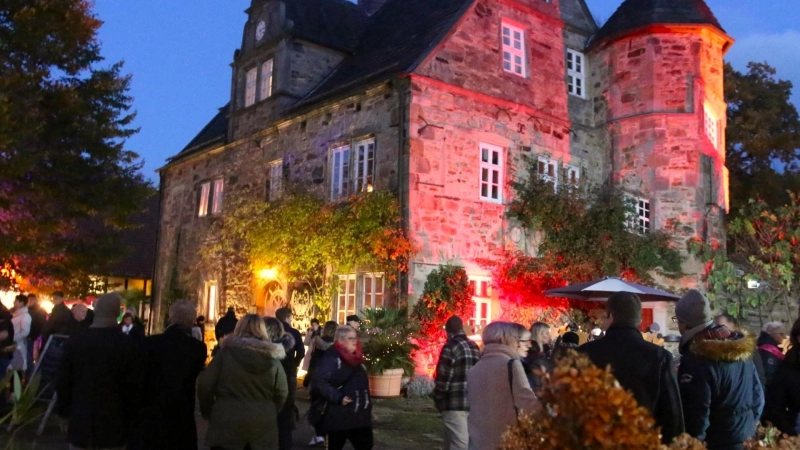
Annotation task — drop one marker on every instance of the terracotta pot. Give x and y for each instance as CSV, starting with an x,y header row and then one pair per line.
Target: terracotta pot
x,y
386,384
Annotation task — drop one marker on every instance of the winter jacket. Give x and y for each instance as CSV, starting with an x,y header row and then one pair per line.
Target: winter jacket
x,y
38,321
58,323
492,399
6,345
299,350
319,345
225,325
172,362
771,356
335,380
536,364
308,342
644,369
457,357
782,407
722,397
22,329
241,392
286,415
99,387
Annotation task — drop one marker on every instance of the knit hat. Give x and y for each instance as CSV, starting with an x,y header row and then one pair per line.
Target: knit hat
x,y
693,310
106,310
353,318
454,325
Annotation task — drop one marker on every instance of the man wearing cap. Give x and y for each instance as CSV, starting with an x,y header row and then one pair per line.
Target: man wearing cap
x,y
641,367
721,394
458,355
99,383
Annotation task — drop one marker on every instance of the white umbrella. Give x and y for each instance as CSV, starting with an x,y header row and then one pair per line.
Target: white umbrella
x,y
603,288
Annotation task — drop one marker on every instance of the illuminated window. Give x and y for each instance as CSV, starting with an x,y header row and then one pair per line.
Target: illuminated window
x,y
372,287
340,172
210,201
576,73
205,195
513,50
365,165
548,171
711,126
250,87
216,204
639,221
266,79
491,169
481,296
212,301
346,297
275,180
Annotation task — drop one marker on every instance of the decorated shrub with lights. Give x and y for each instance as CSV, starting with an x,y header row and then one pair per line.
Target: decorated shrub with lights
x,y
387,344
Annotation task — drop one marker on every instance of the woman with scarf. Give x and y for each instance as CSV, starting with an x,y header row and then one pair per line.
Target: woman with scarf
x,y
341,379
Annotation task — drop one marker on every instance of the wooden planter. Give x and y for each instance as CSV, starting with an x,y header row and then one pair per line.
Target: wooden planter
x,y
386,384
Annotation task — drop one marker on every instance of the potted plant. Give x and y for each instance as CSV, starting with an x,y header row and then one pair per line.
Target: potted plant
x,y
387,349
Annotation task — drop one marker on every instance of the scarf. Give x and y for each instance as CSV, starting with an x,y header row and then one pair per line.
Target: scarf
x,y
776,352
354,359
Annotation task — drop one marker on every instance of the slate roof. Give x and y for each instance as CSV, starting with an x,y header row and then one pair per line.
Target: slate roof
x,y
214,133
634,14
336,24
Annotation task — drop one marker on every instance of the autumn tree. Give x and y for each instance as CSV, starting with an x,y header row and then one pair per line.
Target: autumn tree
x,y
763,136
66,180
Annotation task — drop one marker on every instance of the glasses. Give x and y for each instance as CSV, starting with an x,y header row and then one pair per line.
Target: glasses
x,y
524,341
354,338
675,319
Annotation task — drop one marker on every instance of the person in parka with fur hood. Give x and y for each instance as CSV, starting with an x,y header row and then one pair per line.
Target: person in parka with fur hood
x,y
720,391
243,389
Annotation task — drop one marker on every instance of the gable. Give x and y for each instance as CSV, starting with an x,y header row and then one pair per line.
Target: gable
x,y
577,15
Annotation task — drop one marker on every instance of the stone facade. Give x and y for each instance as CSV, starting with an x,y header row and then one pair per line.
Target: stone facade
x,y
640,123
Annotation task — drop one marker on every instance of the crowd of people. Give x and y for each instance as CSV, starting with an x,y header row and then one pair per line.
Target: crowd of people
x,y
715,391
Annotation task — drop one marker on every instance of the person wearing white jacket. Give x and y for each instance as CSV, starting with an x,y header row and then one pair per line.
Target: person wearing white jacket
x,y
22,328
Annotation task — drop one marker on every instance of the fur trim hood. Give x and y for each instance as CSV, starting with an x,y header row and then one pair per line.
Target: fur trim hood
x,y
253,354
321,344
721,344
287,341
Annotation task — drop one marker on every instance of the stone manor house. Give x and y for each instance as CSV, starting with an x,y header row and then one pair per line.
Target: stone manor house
x,y
439,101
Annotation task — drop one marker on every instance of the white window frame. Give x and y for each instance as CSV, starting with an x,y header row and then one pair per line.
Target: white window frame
x,y
572,175
364,165
481,298
211,298
349,297
491,170
576,73
513,49
547,170
251,78
205,196
711,126
275,176
641,220
340,172
217,196
371,299
265,86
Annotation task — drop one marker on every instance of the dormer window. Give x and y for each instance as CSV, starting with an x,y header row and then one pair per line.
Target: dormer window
x,y
266,79
250,87
258,83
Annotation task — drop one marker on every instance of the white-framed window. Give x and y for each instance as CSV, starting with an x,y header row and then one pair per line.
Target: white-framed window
x,y
491,172
346,297
340,172
216,201
205,196
482,297
211,301
265,89
372,288
275,180
365,165
572,175
576,73
250,87
640,218
711,125
547,169
513,49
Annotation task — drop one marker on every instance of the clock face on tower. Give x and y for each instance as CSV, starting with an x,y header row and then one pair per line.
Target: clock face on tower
x,y
260,30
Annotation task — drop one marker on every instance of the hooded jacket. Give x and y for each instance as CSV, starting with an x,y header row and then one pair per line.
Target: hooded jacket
x,y
334,380
783,395
720,391
771,356
241,392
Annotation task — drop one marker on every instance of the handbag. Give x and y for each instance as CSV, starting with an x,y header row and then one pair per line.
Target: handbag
x,y
511,384
319,405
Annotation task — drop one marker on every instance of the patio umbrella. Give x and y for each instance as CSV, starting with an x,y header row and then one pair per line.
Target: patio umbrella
x,y
603,288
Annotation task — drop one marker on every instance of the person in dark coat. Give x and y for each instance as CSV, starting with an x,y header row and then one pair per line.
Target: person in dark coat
x,y
641,367
538,361
772,336
730,323
721,395
320,344
6,339
128,327
226,324
99,383
782,407
172,362
38,321
342,380
294,357
81,320
59,320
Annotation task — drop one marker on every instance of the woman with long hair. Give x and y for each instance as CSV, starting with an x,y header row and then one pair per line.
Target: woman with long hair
x,y
243,389
782,407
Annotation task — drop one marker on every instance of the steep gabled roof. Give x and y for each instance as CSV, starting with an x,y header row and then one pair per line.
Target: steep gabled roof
x,y
635,14
336,24
397,38
215,133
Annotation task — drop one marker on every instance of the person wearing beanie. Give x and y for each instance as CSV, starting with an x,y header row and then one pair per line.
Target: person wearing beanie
x,y
354,321
641,367
720,391
457,357
99,384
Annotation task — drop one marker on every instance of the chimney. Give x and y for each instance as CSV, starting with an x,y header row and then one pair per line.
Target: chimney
x,y
371,6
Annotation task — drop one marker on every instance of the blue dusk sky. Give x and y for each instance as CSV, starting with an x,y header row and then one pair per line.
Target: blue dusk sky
x,y
179,53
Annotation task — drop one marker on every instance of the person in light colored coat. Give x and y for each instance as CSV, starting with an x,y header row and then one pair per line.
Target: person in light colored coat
x,y
497,387
22,328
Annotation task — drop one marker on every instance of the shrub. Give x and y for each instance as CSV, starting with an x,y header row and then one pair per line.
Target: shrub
x,y
420,386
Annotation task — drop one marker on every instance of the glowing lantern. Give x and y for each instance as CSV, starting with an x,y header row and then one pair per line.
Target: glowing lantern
x,y
268,274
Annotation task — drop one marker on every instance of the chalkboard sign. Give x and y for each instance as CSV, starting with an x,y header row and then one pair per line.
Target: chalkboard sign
x,y
49,364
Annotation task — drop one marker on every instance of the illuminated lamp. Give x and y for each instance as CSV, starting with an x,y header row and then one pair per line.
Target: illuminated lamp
x,y
268,274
